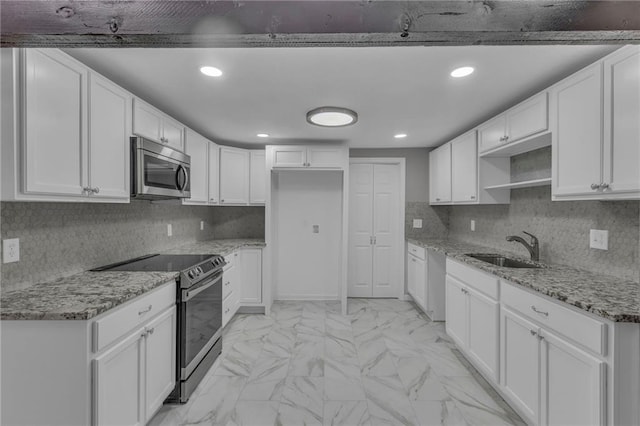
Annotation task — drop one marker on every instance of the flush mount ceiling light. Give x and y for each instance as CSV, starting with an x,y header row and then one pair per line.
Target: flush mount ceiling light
x,y
211,71
262,135
332,117
400,135
462,72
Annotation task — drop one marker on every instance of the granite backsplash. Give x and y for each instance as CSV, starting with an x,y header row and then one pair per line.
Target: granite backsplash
x,y
61,239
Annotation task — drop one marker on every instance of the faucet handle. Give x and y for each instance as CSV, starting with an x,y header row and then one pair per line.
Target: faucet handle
x,y
534,239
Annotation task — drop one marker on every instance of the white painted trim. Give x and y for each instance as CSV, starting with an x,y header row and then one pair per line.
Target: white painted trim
x,y
401,161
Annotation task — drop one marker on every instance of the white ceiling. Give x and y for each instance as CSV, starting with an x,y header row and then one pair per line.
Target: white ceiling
x,y
393,89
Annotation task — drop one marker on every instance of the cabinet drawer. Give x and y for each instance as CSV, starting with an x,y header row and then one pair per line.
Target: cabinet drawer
x,y
227,283
229,305
114,325
231,259
583,329
474,278
418,252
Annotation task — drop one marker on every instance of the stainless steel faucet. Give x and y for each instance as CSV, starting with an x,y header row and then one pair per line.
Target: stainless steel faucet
x,y
533,248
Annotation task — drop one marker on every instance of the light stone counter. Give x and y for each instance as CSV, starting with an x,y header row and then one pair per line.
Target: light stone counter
x,y
87,294
608,297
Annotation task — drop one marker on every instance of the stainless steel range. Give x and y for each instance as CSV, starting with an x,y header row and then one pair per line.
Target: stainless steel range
x,y
199,306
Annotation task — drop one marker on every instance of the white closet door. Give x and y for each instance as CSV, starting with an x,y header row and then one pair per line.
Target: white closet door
x,y
386,200
360,230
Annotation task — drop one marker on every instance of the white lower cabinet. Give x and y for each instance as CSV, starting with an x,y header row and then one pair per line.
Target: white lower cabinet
x,y
426,280
251,276
473,317
549,379
230,287
132,379
553,364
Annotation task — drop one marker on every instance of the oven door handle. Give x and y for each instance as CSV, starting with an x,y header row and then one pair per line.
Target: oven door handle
x,y
191,293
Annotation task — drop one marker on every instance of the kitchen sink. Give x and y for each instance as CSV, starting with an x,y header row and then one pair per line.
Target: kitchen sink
x,y
499,260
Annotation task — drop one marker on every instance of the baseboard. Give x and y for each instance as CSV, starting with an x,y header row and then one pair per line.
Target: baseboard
x,y
251,310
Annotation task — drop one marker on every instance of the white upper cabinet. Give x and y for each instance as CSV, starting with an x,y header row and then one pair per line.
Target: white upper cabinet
x,y
440,174
54,149
82,154
197,147
330,157
621,153
596,130
464,169
214,173
234,175
525,120
109,132
492,133
258,177
152,123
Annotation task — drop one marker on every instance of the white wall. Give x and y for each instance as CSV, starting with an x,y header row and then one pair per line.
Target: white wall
x,y
307,265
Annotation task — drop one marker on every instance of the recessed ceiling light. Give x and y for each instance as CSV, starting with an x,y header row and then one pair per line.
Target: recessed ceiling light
x,y
400,135
332,117
462,72
211,71
262,135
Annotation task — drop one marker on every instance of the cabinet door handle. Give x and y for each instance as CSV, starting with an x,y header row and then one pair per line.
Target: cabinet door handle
x,y
604,185
473,197
222,201
437,199
534,309
150,331
144,311
86,190
533,333
595,186
95,190
413,260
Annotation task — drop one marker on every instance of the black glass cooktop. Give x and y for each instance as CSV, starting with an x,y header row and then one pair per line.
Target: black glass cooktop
x,y
158,263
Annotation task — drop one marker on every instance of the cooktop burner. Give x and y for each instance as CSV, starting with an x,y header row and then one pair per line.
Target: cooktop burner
x,y
158,263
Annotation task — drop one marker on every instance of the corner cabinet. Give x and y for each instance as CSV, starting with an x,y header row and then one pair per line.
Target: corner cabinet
x,y
204,169
234,176
151,123
596,130
83,154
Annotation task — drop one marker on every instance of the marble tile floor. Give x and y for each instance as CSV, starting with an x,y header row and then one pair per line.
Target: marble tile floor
x,y
385,363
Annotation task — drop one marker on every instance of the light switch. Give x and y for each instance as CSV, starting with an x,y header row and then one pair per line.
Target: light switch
x,y
599,239
316,229
417,223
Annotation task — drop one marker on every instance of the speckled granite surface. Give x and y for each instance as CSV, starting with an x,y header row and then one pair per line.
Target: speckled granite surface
x,y
88,294
79,297
221,247
608,297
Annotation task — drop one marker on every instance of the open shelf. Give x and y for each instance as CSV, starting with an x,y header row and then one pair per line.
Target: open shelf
x,y
523,184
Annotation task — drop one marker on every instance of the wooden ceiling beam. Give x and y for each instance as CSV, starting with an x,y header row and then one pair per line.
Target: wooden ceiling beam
x,y
187,23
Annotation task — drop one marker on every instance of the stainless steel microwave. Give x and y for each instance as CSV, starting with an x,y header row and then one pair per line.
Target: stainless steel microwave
x,y
158,172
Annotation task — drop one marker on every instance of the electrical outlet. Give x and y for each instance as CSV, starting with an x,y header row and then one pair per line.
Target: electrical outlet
x,y
11,250
169,230
417,223
316,229
202,225
473,225
599,239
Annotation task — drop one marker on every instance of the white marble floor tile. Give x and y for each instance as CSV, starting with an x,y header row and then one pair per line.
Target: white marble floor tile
x,y
343,389
254,413
302,401
419,381
383,363
346,413
216,403
438,413
476,404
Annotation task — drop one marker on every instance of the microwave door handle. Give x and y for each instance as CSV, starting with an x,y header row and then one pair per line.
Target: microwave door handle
x,y
186,178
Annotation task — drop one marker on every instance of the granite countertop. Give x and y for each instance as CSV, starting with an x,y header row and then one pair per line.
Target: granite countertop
x,y
609,297
88,294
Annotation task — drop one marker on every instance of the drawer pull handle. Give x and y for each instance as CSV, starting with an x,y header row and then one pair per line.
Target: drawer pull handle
x,y
533,308
145,310
150,331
